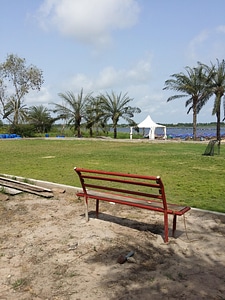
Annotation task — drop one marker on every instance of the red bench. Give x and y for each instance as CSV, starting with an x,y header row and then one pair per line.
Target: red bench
x,y
140,191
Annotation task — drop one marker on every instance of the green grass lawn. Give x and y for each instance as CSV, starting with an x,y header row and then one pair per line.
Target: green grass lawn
x,y
189,177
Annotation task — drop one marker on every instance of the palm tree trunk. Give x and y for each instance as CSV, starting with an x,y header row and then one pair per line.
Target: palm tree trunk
x,y
91,132
115,132
218,124
194,122
218,128
78,131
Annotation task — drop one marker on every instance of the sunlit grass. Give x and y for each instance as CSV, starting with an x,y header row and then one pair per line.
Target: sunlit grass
x,y
189,177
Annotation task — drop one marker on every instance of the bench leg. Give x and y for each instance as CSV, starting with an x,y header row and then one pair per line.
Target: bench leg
x,y
166,228
86,208
174,224
97,208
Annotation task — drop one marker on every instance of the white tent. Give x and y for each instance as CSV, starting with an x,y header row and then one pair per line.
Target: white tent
x,y
149,123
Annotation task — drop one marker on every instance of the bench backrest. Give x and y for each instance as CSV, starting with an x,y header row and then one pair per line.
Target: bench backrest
x,y
148,188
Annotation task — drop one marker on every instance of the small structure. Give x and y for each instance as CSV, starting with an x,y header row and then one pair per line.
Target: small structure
x,y
151,125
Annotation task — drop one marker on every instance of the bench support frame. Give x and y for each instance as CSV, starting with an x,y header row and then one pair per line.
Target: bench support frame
x,y
101,190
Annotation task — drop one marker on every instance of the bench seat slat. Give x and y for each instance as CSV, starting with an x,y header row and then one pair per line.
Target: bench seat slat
x,y
140,191
142,203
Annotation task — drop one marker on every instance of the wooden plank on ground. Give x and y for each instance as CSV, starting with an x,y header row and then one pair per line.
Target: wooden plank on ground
x,y
10,191
25,187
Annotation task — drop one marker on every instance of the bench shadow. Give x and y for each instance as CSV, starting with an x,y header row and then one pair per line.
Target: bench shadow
x,y
154,228
159,271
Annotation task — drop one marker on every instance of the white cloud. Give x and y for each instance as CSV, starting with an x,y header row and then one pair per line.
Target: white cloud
x,y
141,71
207,45
136,81
221,28
42,97
90,21
197,42
111,78
151,101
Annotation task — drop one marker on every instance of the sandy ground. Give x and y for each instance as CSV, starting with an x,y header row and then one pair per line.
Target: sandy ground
x,y
48,251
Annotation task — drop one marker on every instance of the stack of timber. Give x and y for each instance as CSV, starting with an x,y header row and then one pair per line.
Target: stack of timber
x,y
14,187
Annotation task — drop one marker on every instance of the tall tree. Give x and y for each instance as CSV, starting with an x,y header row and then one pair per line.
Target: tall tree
x,y
115,107
216,86
2,96
73,110
17,80
193,85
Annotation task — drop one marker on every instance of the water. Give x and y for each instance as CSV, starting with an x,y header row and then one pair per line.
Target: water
x,y
187,132
179,132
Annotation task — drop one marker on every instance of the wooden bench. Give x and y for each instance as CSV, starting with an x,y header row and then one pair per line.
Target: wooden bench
x,y
140,191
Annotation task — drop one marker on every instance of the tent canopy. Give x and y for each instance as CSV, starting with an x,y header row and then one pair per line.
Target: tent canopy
x,y
149,123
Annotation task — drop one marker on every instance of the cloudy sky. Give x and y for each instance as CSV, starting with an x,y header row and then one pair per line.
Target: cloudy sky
x,y
128,46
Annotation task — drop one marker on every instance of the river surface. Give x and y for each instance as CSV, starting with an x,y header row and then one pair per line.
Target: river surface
x,y
179,132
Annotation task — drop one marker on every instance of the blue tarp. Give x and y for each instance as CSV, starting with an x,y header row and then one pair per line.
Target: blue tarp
x,y
9,136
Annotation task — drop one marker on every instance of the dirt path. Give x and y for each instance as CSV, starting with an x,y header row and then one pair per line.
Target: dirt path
x,y
48,251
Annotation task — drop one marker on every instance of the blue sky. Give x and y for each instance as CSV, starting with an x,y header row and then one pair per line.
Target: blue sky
x,y
128,46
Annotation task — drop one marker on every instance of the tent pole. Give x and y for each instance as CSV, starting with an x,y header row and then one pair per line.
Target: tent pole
x,y
131,133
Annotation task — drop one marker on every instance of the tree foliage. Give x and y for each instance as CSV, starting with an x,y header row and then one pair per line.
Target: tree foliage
x,y
17,80
94,111
216,86
95,116
192,84
40,118
115,107
73,110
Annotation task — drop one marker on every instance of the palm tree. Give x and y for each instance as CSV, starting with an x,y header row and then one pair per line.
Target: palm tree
x,y
115,107
94,115
217,87
40,117
192,85
15,111
73,110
